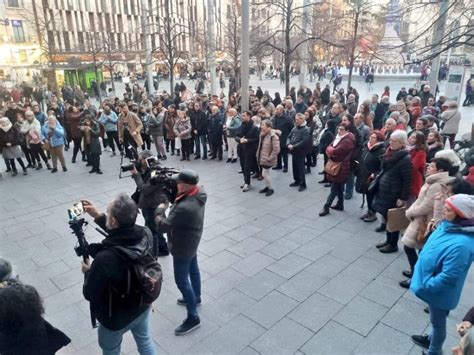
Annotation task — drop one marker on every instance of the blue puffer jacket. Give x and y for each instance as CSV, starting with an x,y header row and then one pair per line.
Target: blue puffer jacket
x,y
443,265
56,138
109,121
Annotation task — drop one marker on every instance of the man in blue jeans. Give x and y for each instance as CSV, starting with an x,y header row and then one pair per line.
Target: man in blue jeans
x,y
107,281
184,226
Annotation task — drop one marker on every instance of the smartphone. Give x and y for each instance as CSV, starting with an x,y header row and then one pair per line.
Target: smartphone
x,y
76,210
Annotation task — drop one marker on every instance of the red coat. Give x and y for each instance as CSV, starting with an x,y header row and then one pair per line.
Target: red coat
x,y
418,166
342,152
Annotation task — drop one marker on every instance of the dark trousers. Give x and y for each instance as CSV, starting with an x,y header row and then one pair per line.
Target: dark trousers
x,y
77,147
450,137
188,280
128,142
111,137
94,160
186,147
146,141
27,153
13,165
169,142
412,257
298,169
159,241
337,190
283,156
217,149
201,139
370,201
37,152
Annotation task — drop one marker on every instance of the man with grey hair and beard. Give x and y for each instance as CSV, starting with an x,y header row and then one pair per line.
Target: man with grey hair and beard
x,y
107,281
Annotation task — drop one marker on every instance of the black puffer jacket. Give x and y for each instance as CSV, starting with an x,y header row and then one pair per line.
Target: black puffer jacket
x,y
285,125
199,122
370,163
394,182
250,132
185,223
298,138
106,282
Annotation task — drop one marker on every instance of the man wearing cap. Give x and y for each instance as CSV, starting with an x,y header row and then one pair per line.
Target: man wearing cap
x,y
184,226
442,267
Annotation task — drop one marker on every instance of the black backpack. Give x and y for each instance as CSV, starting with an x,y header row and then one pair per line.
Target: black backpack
x,y
148,275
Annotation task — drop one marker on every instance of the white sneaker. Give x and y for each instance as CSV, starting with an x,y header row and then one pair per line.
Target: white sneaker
x,y
245,188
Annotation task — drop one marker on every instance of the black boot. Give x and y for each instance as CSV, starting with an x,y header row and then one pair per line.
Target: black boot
x,y
339,206
324,211
381,228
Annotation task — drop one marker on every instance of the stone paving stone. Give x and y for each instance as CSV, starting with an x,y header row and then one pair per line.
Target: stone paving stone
x,y
348,251
327,266
69,278
315,312
360,315
270,309
214,231
261,284
289,265
216,245
199,349
333,338
249,351
273,233
219,284
219,262
227,307
314,249
285,337
365,269
383,291
342,289
247,247
302,285
243,232
280,248
253,264
407,317
234,336
336,237
285,212
384,340
303,235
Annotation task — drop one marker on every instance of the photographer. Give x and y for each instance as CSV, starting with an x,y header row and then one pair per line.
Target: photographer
x,y
184,226
149,197
107,282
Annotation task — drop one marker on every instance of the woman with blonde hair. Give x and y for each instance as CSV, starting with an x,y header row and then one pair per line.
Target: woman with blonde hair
x,y
52,134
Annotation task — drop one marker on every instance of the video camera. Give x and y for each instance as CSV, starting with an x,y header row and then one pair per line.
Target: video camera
x,y
77,226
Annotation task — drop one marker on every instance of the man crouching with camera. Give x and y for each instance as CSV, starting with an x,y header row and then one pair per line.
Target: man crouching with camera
x,y
184,226
108,284
149,197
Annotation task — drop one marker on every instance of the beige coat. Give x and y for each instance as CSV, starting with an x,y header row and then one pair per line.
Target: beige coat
x,y
134,125
451,120
268,150
422,210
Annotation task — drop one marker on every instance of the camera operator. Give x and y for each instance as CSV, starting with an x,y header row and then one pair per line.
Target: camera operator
x,y
184,226
150,196
107,281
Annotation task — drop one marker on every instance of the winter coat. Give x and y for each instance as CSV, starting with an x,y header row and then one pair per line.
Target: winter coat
x,y
185,222
298,138
216,128
94,145
432,152
74,121
370,163
232,126
341,153
268,150
443,265
156,124
56,137
418,167
379,112
41,117
451,119
31,131
395,181
35,339
422,209
199,122
109,272
250,132
13,136
151,195
109,121
284,124
135,125
170,121
182,128
300,107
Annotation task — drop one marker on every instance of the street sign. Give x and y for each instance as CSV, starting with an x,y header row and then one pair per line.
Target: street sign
x,y
455,83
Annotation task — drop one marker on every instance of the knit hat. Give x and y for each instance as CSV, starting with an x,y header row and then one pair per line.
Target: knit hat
x,y
5,270
449,155
462,205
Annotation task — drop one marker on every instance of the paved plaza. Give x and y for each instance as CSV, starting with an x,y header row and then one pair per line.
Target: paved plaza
x,y
277,279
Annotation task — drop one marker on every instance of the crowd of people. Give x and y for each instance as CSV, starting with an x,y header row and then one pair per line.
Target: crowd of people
x,y
388,148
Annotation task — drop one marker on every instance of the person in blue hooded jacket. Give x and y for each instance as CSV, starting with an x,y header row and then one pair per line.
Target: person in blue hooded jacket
x,y
442,268
53,133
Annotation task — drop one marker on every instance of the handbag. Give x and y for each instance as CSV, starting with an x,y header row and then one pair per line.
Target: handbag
x,y
421,233
46,146
397,219
374,184
332,167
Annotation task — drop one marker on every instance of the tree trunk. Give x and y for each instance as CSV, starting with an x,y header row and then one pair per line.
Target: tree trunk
x,y
111,73
287,74
171,67
352,55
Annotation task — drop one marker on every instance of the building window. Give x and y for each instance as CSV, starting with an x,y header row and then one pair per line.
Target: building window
x,y
67,43
14,3
18,33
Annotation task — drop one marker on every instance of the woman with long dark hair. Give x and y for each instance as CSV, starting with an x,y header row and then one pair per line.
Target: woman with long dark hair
x,y
417,148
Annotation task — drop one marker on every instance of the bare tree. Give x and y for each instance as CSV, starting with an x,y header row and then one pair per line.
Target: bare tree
x,y
289,35
231,41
